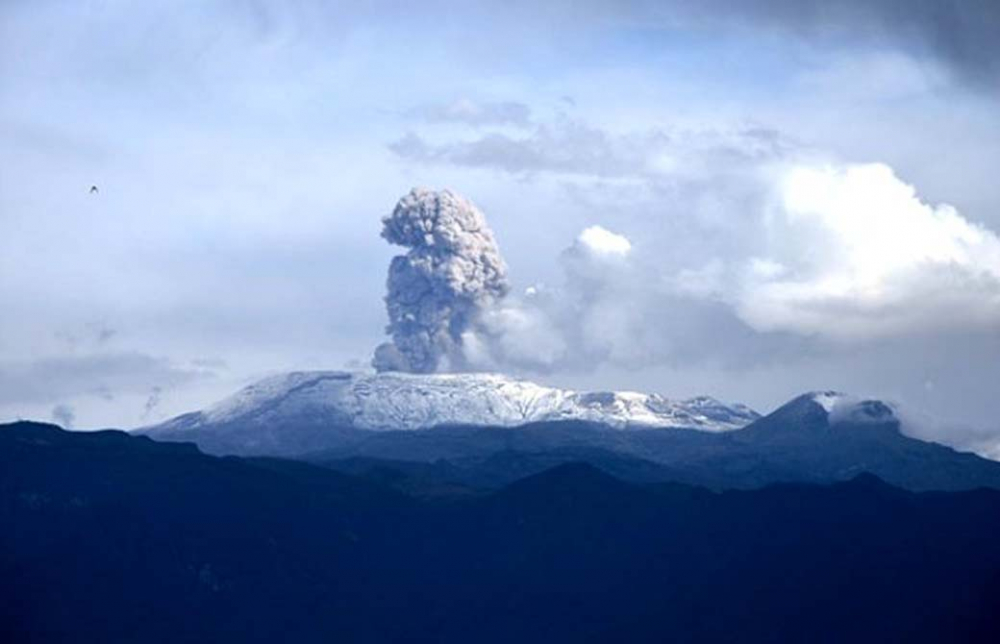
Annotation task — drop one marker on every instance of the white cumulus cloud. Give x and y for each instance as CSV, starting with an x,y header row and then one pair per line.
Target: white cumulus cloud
x,y
602,242
852,252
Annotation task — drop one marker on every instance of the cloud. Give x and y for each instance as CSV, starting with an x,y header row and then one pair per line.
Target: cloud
x,y
852,253
819,257
565,147
600,241
604,311
860,77
100,375
475,113
570,147
960,34
921,425
90,335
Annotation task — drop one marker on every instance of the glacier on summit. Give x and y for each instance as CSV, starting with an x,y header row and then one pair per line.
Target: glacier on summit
x,y
401,401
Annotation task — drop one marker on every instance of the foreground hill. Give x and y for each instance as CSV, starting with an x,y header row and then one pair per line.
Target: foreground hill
x,y
115,538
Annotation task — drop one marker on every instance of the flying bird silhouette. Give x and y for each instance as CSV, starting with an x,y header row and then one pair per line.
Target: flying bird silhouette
x,y
93,189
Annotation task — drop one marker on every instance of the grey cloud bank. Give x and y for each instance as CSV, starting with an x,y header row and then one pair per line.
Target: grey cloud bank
x,y
103,374
568,147
572,147
961,33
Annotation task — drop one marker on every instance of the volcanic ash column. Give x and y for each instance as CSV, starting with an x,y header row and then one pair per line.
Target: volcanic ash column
x,y
452,272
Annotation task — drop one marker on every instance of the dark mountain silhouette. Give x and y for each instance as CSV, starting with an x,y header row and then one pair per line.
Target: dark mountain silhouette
x,y
115,538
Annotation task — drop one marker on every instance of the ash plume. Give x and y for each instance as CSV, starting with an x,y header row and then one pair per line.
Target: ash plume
x,y
64,415
438,290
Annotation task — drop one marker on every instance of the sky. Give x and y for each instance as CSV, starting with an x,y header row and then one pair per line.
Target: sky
x,y
742,199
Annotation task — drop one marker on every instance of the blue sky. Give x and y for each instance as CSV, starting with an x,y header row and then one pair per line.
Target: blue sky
x,y
245,152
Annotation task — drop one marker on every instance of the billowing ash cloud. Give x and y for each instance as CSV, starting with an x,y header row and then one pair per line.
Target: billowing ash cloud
x,y
438,290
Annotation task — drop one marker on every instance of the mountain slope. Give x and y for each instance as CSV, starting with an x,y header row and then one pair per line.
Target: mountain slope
x,y
112,538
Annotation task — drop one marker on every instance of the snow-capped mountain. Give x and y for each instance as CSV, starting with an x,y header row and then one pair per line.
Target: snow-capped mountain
x,y
395,401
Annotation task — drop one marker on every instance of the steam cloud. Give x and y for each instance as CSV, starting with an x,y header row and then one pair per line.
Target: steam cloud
x,y
449,308
439,289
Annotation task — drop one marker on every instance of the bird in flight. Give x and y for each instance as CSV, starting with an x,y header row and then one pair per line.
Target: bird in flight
x,y
93,190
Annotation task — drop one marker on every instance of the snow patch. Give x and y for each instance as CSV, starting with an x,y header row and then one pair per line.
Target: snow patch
x,y
828,400
844,408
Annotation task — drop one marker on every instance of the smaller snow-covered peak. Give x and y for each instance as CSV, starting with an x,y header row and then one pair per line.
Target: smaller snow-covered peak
x,y
822,411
